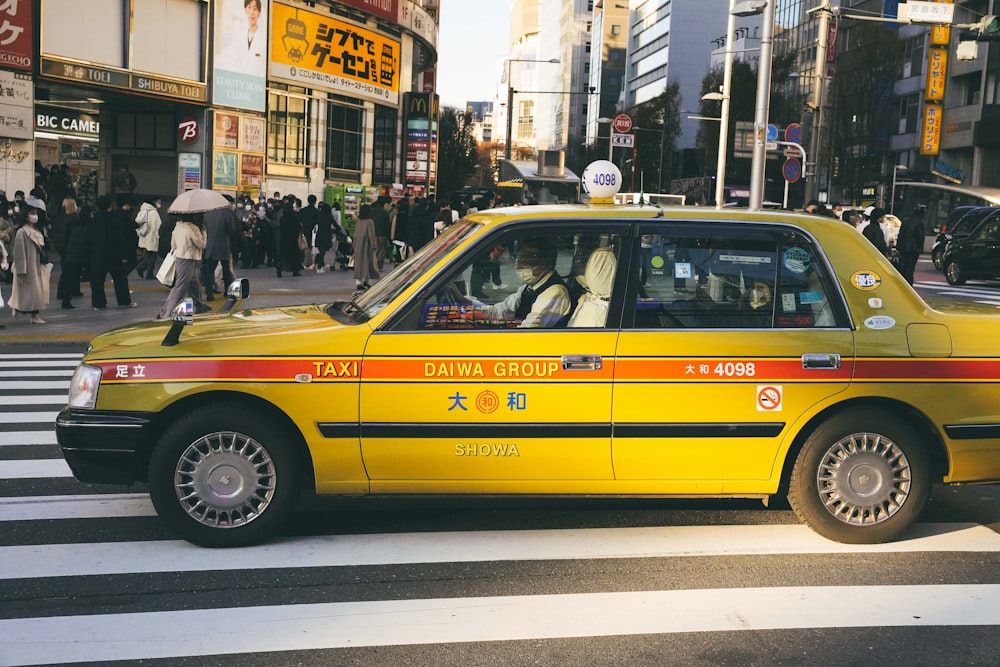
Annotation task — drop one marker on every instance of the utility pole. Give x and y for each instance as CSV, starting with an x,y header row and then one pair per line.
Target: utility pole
x,y
817,100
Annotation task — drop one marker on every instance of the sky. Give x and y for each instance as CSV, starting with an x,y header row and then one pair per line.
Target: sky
x,y
473,40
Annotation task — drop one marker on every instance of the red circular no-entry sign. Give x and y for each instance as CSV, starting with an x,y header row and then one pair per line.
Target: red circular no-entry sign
x,y
623,123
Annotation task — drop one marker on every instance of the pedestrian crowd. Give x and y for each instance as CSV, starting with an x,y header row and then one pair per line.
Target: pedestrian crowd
x,y
118,234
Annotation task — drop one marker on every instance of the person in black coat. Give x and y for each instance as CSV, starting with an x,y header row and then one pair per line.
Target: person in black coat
x,y
71,232
111,252
324,235
290,228
910,243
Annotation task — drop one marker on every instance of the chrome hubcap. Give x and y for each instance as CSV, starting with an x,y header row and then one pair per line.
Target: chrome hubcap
x,y
863,479
224,480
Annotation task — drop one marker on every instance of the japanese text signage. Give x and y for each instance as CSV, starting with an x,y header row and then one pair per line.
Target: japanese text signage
x,y
387,9
16,46
17,98
937,70
930,137
321,51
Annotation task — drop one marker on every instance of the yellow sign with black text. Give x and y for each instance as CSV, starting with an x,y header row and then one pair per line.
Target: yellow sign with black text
x,y
324,52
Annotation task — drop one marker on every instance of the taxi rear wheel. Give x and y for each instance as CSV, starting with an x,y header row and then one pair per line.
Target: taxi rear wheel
x,y
862,477
954,274
224,477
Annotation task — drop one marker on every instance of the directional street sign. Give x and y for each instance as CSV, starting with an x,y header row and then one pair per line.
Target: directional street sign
x,y
626,140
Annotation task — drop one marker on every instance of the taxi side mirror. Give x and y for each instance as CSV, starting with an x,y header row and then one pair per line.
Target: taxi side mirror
x,y
181,316
238,290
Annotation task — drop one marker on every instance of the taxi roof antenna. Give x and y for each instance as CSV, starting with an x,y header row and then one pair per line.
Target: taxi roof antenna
x,y
642,189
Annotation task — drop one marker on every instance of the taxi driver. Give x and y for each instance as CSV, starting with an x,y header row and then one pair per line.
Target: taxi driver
x,y
543,301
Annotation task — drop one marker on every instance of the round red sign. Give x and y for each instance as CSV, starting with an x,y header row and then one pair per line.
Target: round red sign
x,y
623,123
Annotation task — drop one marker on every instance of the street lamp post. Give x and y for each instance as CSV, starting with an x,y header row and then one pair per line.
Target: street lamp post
x,y
892,201
816,103
761,107
510,96
611,146
727,80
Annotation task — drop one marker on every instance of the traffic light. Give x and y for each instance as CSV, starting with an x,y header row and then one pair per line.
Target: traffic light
x,y
988,30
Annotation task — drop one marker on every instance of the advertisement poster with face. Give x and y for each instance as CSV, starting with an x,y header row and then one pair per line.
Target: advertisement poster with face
x,y
240,58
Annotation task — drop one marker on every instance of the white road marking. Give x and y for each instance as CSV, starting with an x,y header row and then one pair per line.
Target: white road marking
x,y
36,384
57,560
97,506
35,374
70,363
53,399
27,438
99,638
54,355
34,469
28,417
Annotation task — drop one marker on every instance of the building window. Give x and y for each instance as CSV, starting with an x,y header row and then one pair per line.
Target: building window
x,y
384,148
344,133
150,131
616,29
526,119
287,126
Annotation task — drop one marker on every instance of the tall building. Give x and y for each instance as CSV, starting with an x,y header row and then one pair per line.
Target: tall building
x,y
608,48
246,97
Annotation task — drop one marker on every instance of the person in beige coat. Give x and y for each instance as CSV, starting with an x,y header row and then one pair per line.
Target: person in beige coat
x,y
187,243
31,274
148,216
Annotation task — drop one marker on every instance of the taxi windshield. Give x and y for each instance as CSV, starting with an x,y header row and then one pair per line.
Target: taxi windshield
x,y
391,285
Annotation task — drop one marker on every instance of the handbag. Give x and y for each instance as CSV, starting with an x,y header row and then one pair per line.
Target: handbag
x,y
303,244
167,270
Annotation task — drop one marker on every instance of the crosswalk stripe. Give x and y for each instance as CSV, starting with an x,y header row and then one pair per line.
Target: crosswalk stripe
x,y
98,638
37,384
53,399
58,560
34,469
36,374
28,417
39,363
96,506
8,438
21,357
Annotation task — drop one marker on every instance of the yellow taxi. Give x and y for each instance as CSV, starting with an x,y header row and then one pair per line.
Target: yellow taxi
x,y
584,350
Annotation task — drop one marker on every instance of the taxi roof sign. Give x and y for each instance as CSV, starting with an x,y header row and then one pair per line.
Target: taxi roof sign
x,y
602,180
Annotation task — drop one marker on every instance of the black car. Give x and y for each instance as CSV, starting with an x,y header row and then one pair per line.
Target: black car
x,y
977,253
961,221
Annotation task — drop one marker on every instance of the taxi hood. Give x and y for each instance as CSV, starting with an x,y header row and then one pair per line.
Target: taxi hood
x,y
221,331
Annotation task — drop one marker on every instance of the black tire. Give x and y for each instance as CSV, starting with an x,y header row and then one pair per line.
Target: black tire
x,y
224,446
936,257
862,477
953,273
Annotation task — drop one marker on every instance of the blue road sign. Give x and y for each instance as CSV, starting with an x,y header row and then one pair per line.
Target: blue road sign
x,y
772,133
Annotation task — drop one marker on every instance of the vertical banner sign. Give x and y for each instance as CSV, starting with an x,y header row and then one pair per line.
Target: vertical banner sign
x,y
421,139
240,57
16,37
937,70
930,138
322,51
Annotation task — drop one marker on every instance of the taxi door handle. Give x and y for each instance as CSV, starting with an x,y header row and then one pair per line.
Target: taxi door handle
x,y
820,361
581,362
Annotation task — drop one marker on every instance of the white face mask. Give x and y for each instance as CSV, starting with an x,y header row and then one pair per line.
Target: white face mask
x,y
526,275
32,218
247,207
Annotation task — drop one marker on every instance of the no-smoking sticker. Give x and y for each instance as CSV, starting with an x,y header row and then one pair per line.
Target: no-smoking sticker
x,y
769,398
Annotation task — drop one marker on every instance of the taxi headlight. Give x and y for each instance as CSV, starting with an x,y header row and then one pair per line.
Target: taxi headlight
x,y
83,387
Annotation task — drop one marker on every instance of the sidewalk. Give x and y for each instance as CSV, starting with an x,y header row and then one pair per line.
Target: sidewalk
x,y
83,322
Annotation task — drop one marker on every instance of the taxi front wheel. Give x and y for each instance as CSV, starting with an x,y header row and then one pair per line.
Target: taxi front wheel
x,y
862,477
223,477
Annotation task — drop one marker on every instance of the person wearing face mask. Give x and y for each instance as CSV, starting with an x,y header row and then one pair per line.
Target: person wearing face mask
x,y
543,301
31,269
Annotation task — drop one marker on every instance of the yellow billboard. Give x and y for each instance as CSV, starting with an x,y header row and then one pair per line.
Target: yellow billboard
x,y
930,136
937,74
321,51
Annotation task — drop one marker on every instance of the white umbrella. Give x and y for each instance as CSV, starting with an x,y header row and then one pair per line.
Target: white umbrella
x,y
198,201
34,202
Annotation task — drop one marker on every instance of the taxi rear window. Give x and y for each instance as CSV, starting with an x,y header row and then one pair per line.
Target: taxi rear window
x,y
714,277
